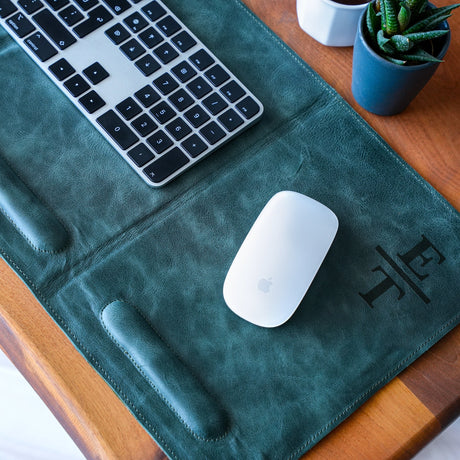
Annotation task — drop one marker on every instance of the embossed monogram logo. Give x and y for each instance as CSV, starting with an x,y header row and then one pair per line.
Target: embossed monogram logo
x,y
413,260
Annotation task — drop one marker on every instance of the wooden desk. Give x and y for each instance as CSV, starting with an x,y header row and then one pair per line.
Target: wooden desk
x,y
398,420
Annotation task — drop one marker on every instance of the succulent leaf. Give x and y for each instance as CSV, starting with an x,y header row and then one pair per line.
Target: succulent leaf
x,y
404,16
434,17
419,55
417,6
394,60
384,43
402,43
423,36
392,26
372,22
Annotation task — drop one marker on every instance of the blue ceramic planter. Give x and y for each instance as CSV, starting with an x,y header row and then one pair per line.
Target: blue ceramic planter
x,y
382,87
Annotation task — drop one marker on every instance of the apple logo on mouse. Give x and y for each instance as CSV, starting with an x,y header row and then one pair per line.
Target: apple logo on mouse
x,y
264,285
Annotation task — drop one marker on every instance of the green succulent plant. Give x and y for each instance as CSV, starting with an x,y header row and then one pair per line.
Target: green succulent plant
x,y
402,31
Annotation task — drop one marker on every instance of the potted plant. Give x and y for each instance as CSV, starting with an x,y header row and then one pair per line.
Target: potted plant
x,y
398,47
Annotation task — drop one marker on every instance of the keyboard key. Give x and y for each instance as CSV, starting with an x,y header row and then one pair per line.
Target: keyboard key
x,y
147,65
95,73
166,165
117,130
231,120
201,60
144,125
85,5
181,100
183,71
20,25
141,155
6,8
160,142
150,37
217,75
166,83
91,101
96,18
147,96
153,11
194,145
128,108
76,85
61,69
118,34
199,87
232,91
163,112
212,132
214,103
178,129
132,49
248,107
118,6
29,6
57,4
197,116
54,29
136,22
41,46
166,53
169,26
71,15
183,41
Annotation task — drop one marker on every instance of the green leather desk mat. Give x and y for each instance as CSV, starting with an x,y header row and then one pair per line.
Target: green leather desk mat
x,y
134,275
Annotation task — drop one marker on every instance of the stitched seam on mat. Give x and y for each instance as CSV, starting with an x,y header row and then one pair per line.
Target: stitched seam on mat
x,y
150,382
94,362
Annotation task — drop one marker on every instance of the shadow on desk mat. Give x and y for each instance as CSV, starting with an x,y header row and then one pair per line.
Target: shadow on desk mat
x,y
134,275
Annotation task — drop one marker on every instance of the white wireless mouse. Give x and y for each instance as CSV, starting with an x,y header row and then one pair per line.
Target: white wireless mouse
x,y
279,258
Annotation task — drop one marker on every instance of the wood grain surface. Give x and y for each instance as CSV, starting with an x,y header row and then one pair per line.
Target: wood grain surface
x,y
399,419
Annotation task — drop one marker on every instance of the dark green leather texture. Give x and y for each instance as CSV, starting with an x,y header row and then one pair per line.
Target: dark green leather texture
x,y
134,275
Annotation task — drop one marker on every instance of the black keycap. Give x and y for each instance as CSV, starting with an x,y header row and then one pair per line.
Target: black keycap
x,y
144,125
178,129
160,141
201,60
117,130
147,65
214,103
6,8
29,6
71,15
169,26
136,22
96,18
212,132
163,112
153,11
128,108
132,49
91,101
147,96
166,53
150,37
118,34
57,4
118,6
183,71
248,107
166,165
95,73
141,155
231,120
183,41
199,87
197,116
194,145
217,75
85,5
40,46
76,85
166,83
20,25
54,29
232,91
181,100
61,69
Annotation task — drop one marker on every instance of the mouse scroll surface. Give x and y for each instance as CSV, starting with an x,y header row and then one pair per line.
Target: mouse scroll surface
x,y
279,258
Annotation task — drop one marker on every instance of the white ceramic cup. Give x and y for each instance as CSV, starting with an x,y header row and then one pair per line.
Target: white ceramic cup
x,y
329,22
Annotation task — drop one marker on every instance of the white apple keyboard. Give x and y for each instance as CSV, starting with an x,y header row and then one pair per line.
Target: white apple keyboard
x,y
145,81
